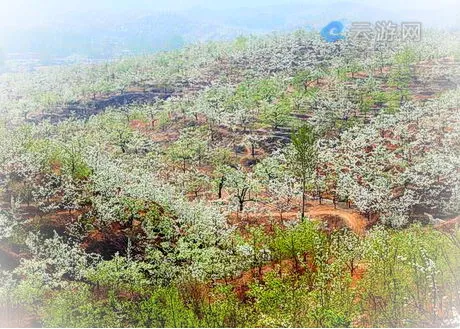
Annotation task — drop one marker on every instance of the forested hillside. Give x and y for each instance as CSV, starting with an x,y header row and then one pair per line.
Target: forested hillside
x,y
272,181
43,34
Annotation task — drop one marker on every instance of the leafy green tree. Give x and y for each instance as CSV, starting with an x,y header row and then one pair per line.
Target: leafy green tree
x,y
302,157
276,114
241,184
77,307
186,150
221,160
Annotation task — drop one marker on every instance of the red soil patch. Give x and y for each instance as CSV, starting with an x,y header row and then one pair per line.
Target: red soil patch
x,y
106,242
449,225
350,217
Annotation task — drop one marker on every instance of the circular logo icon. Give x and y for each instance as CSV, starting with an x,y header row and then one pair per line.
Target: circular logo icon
x,y
331,32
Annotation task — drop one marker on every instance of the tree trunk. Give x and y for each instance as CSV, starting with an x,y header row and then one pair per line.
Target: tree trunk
x,y
303,199
221,186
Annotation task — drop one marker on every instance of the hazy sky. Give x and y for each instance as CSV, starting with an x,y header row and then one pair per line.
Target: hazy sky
x,y
35,12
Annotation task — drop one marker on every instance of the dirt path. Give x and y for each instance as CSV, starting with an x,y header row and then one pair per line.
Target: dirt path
x,y
350,217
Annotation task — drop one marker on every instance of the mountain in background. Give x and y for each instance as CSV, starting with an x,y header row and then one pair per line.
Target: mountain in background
x,y
96,35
